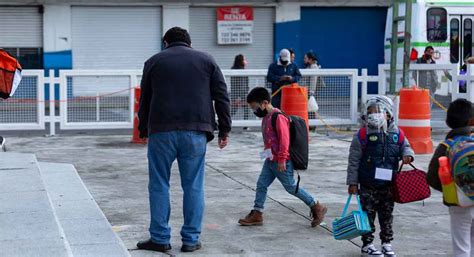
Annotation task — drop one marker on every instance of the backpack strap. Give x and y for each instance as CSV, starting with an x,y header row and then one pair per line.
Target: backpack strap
x,y
362,135
445,144
401,137
449,142
274,119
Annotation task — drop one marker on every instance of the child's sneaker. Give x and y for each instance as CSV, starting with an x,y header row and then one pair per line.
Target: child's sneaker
x,y
254,218
387,250
370,251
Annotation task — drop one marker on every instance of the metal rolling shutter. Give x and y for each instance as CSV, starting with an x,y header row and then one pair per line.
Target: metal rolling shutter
x,y
203,30
21,27
114,37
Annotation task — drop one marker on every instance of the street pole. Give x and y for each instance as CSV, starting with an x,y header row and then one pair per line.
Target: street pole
x,y
407,45
394,48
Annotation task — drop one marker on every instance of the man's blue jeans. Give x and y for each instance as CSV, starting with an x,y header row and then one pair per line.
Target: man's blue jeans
x,y
189,147
268,175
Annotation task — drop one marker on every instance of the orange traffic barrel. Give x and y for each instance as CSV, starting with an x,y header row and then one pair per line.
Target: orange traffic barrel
x,y
136,133
414,118
294,101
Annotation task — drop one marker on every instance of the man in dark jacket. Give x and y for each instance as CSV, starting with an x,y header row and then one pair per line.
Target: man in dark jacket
x,y
280,73
179,90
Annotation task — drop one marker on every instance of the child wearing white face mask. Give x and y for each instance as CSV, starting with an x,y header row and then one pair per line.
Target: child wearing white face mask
x,y
374,156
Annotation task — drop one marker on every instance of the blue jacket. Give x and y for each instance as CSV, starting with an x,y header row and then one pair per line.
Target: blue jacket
x,y
277,70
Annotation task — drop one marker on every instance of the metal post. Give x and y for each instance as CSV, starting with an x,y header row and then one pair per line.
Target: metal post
x,y
407,45
364,89
97,106
394,48
52,104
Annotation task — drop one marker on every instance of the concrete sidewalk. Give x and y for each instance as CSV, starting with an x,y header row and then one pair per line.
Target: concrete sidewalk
x,y
115,173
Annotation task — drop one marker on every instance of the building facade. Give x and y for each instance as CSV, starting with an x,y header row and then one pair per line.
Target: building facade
x,y
121,34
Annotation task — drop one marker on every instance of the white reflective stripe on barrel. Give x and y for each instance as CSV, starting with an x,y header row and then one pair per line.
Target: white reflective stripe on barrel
x,y
414,123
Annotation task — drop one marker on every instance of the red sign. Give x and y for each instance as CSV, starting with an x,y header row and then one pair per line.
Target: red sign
x,y
234,25
236,13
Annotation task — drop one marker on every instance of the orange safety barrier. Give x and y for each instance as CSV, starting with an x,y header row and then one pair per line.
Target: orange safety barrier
x,y
415,118
294,101
136,134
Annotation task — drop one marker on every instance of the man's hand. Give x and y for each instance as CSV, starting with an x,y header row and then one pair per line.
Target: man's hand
x,y
286,78
143,134
281,166
353,190
407,159
223,141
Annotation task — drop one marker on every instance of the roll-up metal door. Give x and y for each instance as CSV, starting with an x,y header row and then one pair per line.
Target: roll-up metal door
x,y
203,30
114,37
21,27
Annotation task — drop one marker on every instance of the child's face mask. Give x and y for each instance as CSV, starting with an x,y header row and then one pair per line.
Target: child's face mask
x,y
259,109
260,113
377,120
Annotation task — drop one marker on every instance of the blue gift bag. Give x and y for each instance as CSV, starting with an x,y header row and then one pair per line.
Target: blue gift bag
x,y
353,224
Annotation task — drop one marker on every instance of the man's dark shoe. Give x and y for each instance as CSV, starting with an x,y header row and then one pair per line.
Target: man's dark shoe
x,y
191,248
149,245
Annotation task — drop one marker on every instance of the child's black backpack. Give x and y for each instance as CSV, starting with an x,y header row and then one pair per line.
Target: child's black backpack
x,y
299,142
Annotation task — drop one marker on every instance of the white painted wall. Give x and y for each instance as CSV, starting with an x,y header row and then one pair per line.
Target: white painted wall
x,y
288,11
57,28
175,15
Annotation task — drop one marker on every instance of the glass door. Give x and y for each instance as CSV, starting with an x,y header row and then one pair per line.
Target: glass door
x,y
466,41
460,38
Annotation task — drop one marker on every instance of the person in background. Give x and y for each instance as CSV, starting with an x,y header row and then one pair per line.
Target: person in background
x,y
293,55
459,119
427,79
280,73
463,71
239,88
311,62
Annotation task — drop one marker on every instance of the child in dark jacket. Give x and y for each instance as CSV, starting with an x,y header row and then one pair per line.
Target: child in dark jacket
x,y
459,118
374,156
278,164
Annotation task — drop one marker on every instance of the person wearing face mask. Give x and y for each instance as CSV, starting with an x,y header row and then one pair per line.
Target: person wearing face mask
x,y
427,79
280,73
278,164
374,155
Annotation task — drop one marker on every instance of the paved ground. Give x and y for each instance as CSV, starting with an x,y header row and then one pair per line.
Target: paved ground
x,y
115,172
